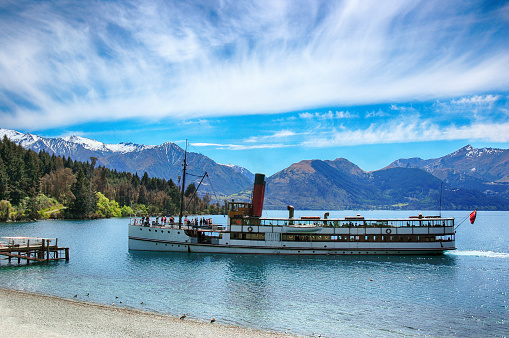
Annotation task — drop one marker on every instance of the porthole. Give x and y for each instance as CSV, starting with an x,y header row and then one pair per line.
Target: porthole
x,y
149,229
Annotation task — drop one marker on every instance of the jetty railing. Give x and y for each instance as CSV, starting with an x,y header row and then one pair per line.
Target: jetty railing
x,y
32,249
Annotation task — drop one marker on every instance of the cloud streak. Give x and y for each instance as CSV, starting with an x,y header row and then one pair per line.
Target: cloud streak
x,y
63,64
401,132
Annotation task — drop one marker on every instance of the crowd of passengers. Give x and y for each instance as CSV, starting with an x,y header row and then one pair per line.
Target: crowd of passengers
x,y
170,220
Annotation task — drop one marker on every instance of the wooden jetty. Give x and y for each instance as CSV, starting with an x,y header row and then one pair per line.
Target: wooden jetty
x,y
32,249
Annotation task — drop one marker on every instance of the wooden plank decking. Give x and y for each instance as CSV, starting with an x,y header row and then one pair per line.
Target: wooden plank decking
x,y
32,249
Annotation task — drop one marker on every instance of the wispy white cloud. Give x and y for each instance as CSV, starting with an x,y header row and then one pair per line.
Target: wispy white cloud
x,y
378,113
328,115
243,146
274,137
476,100
403,132
68,63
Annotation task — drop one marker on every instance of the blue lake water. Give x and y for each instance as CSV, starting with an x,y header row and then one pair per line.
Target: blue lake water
x,y
461,293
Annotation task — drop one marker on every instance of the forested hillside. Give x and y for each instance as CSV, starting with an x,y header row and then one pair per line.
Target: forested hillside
x,y
39,185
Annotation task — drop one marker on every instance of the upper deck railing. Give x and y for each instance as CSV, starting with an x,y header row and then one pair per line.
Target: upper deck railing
x,y
346,222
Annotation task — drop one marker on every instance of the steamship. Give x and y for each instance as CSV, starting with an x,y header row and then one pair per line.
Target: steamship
x,y
247,232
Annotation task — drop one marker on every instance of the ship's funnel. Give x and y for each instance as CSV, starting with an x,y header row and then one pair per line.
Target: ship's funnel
x,y
258,195
290,211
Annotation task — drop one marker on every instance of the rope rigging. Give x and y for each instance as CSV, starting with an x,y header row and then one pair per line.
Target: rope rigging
x,y
464,219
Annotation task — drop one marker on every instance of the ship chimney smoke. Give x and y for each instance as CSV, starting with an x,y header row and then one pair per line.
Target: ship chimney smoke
x,y
258,195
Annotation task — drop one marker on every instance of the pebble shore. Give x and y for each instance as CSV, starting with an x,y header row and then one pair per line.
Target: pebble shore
x,y
26,314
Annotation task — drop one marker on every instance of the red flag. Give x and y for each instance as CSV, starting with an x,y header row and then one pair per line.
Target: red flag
x,y
473,214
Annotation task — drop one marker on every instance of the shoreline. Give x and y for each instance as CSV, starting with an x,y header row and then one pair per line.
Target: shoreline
x,y
31,314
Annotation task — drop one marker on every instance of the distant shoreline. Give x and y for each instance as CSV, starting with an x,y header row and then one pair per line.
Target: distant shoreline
x,y
30,314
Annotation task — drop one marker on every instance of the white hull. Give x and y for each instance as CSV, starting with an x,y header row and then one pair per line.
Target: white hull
x,y
175,240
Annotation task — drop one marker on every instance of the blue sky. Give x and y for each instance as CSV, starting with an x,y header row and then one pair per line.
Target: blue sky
x,y
261,84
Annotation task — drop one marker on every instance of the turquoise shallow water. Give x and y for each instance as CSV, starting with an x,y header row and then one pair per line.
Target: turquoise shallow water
x,y
463,293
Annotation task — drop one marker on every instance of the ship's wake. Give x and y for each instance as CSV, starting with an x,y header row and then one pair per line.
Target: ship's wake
x,y
479,253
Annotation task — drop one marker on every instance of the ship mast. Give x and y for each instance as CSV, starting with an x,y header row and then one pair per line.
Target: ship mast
x,y
183,187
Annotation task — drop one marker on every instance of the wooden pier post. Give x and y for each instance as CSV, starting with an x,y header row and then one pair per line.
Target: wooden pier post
x,y
47,250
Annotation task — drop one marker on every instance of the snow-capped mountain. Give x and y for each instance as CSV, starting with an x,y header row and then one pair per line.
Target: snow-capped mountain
x,y
68,144
485,169
163,161
241,170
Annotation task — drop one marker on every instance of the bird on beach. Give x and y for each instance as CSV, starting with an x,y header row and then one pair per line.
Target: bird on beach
x,y
213,320
183,316
88,294
75,296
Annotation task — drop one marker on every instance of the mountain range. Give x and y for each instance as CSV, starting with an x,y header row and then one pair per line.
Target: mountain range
x,y
485,169
340,184
472,178
163,161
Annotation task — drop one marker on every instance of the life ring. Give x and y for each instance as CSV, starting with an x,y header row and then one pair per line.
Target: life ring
x,y
388,231
250,229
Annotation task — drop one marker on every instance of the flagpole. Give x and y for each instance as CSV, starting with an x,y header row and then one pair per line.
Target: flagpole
x,y
441,185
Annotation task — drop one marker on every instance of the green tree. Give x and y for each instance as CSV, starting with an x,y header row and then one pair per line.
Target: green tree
x,y
83,203
58,184
107,208
142,196
32,173
4,181
191,188
15,168
5,210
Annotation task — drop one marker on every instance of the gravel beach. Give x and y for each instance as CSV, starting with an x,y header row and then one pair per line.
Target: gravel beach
x,y
27,314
